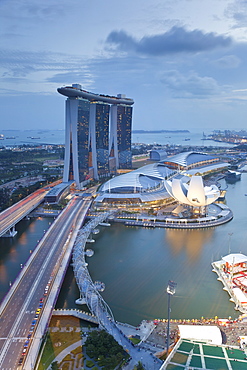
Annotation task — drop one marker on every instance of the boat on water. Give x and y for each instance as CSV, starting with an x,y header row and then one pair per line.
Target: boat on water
x,y
1,136
233,176
232,272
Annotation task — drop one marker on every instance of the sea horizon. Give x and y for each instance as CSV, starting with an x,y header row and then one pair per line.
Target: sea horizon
x,y
13,137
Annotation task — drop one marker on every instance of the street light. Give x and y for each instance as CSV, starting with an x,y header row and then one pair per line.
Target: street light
x,y
229,243
170,291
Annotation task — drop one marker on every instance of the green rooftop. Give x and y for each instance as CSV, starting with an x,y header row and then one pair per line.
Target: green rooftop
x,y
199,355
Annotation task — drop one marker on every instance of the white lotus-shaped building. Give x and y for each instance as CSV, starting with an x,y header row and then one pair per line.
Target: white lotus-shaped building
x,y
193,193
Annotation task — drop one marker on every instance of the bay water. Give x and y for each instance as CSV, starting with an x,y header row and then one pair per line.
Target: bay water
x,y
39,137
136,264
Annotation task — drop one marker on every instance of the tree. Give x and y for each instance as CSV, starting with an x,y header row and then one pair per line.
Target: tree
x,y
139,366
54,365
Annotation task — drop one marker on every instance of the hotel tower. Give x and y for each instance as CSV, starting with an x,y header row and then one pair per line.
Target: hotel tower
x,y
97,134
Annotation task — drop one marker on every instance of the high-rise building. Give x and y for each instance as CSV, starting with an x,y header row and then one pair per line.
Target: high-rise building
x,y
97,134
121,136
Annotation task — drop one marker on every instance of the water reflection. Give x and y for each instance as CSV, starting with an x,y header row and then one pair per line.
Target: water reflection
x,y
192,241
15,251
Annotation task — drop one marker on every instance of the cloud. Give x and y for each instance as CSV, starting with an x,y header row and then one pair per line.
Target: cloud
x,y
237,10
72,77
176,40
37,71
29,9
21,63
189,86
228,61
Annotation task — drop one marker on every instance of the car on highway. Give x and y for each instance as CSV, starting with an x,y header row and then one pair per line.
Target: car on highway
x,y
20,361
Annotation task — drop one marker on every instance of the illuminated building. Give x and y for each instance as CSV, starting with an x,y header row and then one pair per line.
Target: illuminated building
x,y
97,134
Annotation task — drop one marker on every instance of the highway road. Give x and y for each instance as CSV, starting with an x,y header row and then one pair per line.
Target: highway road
x,y
29,300
14,214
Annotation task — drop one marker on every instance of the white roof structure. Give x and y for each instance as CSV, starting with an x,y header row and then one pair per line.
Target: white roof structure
x,y
150,183
194,193
210,334
142,179
241,297
185,159
235,258
145,184
205,169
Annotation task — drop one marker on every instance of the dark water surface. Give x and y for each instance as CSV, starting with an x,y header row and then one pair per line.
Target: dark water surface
x,y
14,252
136,263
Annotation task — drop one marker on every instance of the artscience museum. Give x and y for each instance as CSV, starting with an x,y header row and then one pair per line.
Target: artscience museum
x,y
192,193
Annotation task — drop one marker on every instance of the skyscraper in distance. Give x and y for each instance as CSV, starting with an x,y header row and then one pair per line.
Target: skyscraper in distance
x,y
97,134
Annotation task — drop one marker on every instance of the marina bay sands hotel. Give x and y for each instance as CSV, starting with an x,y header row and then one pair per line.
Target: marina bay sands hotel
x,y
97,134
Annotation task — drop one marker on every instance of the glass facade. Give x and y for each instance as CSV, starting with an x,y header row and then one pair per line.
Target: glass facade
x,y
82,138
124,125
102,137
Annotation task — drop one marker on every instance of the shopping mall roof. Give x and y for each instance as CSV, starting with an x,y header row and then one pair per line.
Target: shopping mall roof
x,y
147,183
144,178
187,158
205,169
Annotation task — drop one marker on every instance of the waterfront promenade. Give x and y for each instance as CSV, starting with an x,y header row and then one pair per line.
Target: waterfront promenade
x,y
222,215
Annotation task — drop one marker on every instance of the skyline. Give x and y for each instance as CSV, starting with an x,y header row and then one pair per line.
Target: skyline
x,y
182,62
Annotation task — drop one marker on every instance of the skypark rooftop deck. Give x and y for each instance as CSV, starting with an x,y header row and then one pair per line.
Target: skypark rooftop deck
x,y
76,91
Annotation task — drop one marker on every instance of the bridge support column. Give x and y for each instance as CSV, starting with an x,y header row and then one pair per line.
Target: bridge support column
x,y
10,233
81,301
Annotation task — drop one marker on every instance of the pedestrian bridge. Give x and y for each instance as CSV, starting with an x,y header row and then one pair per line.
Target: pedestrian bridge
x,y
98,307
76,313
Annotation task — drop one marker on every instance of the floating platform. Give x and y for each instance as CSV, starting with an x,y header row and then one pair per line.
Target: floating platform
x,y
232,272
95,231
89,252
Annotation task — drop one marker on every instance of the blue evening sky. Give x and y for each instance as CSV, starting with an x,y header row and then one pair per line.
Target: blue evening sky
x,y
182,61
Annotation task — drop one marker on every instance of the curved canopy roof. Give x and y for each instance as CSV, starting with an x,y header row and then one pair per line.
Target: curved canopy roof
x,y
188,158
144,178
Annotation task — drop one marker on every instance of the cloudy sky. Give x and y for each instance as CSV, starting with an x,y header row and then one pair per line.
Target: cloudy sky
x,y
182,61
